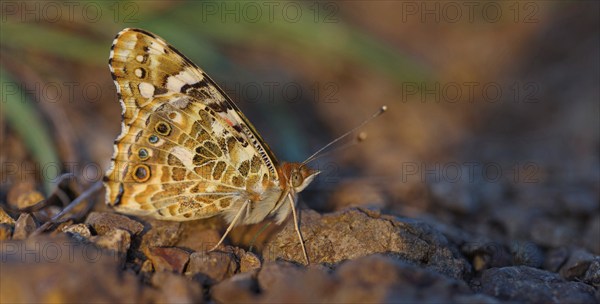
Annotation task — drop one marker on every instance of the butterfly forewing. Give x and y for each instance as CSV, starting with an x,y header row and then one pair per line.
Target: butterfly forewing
x,y
185,151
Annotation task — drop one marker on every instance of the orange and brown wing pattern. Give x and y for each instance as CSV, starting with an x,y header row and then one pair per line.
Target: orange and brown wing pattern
x,y
185,151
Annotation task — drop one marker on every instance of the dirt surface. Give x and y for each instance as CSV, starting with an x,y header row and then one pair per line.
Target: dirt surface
x,y
357,255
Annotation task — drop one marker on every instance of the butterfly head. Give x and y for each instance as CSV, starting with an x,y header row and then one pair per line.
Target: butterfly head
x,y
298,176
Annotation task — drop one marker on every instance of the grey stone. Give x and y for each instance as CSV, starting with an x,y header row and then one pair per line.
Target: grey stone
x,y
526,284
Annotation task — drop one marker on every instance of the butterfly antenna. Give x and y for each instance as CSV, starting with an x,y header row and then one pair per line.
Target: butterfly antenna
x,y
375,115
362,136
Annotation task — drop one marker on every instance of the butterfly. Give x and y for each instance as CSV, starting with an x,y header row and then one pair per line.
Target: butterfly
x,y
186,151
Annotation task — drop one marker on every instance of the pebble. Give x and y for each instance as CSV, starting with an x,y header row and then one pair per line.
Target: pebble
x,y
28,199
23,195
212,267
527,254
5,218
592,275
161,234
577,265
6,231
80,229
104,222
249,262
168,258
24,226
486,254
116,240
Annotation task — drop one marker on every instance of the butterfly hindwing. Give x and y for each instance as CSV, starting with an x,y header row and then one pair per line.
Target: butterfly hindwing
x,y
185,150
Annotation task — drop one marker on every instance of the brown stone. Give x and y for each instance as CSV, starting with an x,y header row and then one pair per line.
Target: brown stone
x,y
115,240
79,229
249,262
28,199
24,226
23,195
103,222
160,234
353,233
5,232
5,218
212,266
168,258
200,235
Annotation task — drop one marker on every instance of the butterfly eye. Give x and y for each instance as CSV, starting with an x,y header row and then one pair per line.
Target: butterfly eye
x,y
296,179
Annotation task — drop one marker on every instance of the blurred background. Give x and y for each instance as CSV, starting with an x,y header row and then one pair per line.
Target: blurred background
x,y
492,128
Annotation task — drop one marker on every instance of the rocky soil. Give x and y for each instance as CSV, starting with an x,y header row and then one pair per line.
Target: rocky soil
x,y
357,255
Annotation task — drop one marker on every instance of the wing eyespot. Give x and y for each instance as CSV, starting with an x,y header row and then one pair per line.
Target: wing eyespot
x,y
153,139
141,173
143,154
163,128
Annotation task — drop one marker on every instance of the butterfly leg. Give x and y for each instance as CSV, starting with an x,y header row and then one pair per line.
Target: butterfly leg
x,y
291,199
232,224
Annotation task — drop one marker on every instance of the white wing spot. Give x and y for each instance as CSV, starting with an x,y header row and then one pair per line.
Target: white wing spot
x,y
174,84
146,89
138,73
188,76
156,48
139,58
185,156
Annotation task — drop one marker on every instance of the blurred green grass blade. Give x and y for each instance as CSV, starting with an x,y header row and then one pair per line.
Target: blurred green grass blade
x,y
54,41
22,117
308,37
